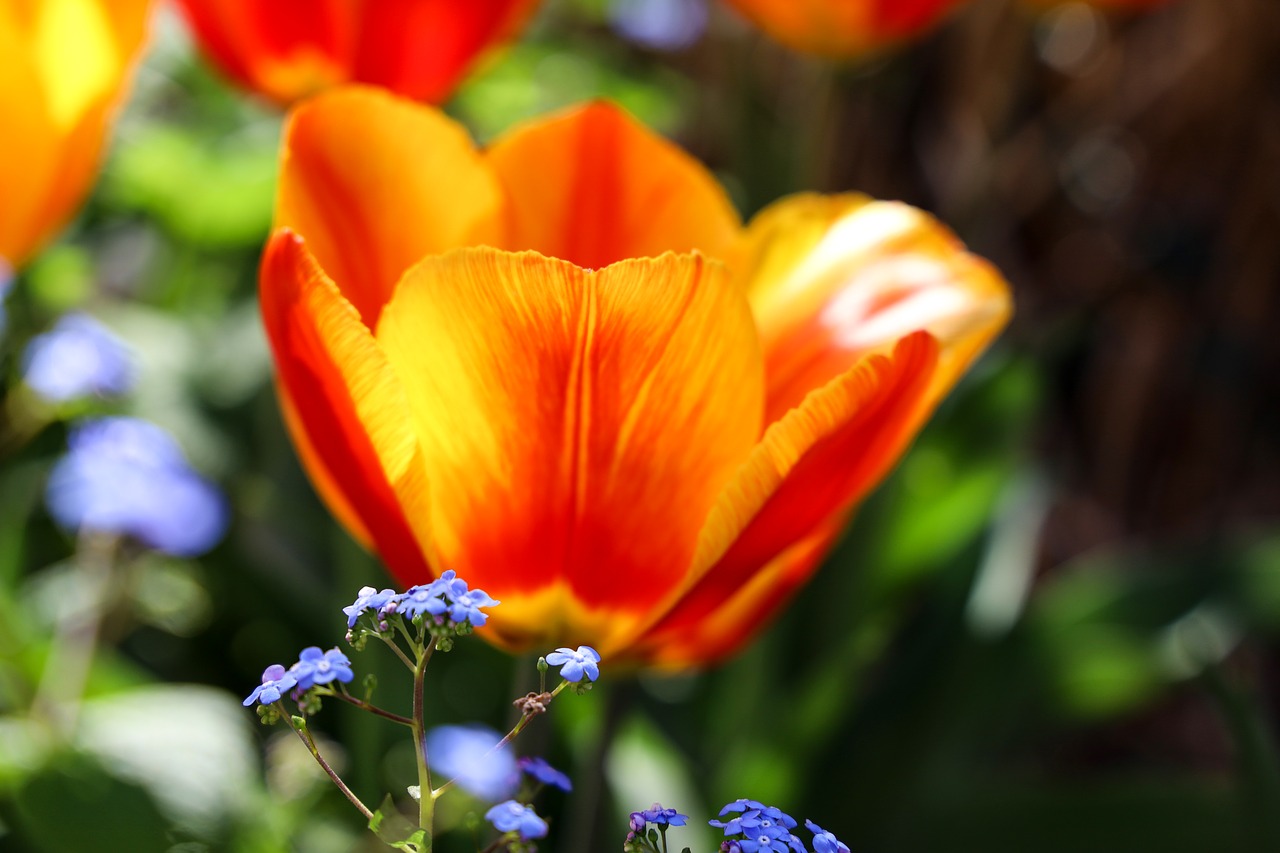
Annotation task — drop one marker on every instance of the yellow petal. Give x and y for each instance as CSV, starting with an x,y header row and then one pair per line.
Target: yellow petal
x,y
831,279
576,426
374,183
63,74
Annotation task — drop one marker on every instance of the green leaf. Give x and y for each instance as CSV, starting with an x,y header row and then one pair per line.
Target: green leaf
x,y
395,830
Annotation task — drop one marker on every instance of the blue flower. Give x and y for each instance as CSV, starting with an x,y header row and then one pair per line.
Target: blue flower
x,y
449,584
772,838
660,24
317,667
128,477
825,842
539,769
367,599
517,817
574,664
466,607
472,755
77,358
275,683
659,816
752,815
419,599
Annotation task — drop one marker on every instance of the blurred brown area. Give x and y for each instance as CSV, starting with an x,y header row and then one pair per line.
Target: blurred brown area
x,y
1124,172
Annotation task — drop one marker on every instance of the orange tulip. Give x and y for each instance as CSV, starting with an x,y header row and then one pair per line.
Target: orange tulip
x,y
563,368
843,28
64,69
288,49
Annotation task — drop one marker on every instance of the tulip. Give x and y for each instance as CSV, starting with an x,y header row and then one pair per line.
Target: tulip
x,y
65,70
288,49
843,28
563,368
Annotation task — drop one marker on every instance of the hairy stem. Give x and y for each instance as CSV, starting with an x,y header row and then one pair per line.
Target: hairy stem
x,y
310,744
370,707
426,802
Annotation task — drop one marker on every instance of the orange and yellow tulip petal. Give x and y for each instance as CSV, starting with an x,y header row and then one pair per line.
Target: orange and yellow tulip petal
x,y
593,186
811,467
831,278
843,28
289,49
344,409
375,183
576,426
64,72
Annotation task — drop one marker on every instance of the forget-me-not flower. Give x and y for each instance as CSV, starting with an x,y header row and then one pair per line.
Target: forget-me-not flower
x,y
472,755
659,816
77,358
540,770
128,477
275,683
575,664
517,817
319,667
367,599
825,842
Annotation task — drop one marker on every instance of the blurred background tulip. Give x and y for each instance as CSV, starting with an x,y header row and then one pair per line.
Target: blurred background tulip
x,y
843,28
65,66
288,49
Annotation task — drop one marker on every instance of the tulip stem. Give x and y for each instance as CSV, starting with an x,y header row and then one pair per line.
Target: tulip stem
x,y
426,800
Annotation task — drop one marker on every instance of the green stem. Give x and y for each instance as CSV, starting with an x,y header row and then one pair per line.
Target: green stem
x,y
76,633
395,647
310,744
426,802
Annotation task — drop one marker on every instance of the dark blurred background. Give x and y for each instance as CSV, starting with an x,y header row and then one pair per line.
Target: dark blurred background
x,y
1053,629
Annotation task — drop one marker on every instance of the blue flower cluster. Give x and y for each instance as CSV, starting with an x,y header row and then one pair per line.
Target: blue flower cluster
x,y
445,603
757,828
313,668
513,816
75,359
574,664
128,477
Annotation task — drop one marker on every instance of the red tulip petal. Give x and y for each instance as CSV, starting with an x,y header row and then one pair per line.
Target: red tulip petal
x,y
422,48
344,406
